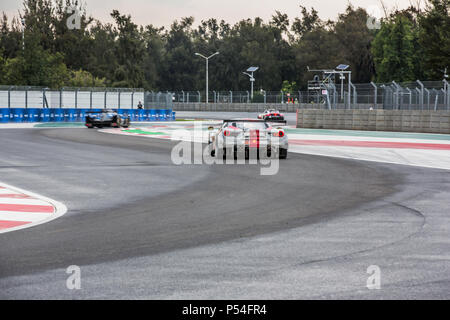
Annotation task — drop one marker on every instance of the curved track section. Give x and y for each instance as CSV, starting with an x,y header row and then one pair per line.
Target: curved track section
x,y
202,231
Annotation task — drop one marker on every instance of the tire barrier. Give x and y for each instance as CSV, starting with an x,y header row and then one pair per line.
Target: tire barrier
x,y
20,115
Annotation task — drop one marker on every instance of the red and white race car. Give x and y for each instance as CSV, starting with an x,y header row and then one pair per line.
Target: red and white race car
x,y
241,137
271,114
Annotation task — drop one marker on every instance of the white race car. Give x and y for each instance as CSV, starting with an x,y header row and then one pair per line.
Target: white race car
x,y
271,114
248,137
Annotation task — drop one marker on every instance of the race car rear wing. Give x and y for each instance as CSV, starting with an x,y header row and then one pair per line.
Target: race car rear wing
x,y
257,121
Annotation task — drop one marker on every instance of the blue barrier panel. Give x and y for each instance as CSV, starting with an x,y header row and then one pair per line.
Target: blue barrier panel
x,y
32,115
16,115
168,115
44,115
152,116
4,115
140,114
38,115
174,117
25,115
58,115
81,115
162,115
65,117
146,115
72,115
135,115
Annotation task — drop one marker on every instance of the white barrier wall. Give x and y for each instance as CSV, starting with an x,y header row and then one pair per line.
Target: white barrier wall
x,y
17,99
98,100
3,99
112,100
84,99
52,99
70,99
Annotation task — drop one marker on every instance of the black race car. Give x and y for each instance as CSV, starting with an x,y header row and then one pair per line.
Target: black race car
x,y
106,118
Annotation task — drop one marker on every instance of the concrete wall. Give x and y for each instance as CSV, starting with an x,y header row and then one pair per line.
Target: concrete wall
x,y
375,120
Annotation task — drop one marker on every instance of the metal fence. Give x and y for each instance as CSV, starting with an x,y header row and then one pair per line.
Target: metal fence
x,y
418,95
427,95
160,100
88,98
238,97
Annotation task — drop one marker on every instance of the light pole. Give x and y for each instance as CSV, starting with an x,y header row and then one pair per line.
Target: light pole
x,y
23,34
252,78
207,66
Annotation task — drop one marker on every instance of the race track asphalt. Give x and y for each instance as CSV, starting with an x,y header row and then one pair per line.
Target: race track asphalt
x,y
127,202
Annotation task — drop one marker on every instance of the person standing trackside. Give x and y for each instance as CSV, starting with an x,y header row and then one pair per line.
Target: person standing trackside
x,y
140,105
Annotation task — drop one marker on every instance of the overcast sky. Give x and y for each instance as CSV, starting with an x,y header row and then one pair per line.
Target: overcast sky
x,y
164,12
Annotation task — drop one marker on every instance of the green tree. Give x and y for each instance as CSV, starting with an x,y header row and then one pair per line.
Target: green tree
x,y
102,61
181,69
434,38
354,44
130,53
75,44
36,67
82,78
393,50
10,37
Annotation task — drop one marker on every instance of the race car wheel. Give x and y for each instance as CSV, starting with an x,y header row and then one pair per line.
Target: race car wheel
x,y
283,153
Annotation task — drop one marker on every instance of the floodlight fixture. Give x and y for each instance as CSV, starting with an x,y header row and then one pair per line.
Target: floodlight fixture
x,y
252,78
252,69
342,67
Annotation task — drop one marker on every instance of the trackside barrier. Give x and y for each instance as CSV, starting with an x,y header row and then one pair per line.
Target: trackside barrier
x,y
44,115
81,115
4,115
33,115
146,115
59,115
18,115
152,115
140,114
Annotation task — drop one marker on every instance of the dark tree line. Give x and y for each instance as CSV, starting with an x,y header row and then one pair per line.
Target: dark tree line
x,y
411,44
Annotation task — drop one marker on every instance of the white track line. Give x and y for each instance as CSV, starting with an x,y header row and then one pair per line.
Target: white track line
x,y
23,216
6,191
25,201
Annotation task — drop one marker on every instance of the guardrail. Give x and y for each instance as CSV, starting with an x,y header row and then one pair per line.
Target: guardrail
x,y
19,115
